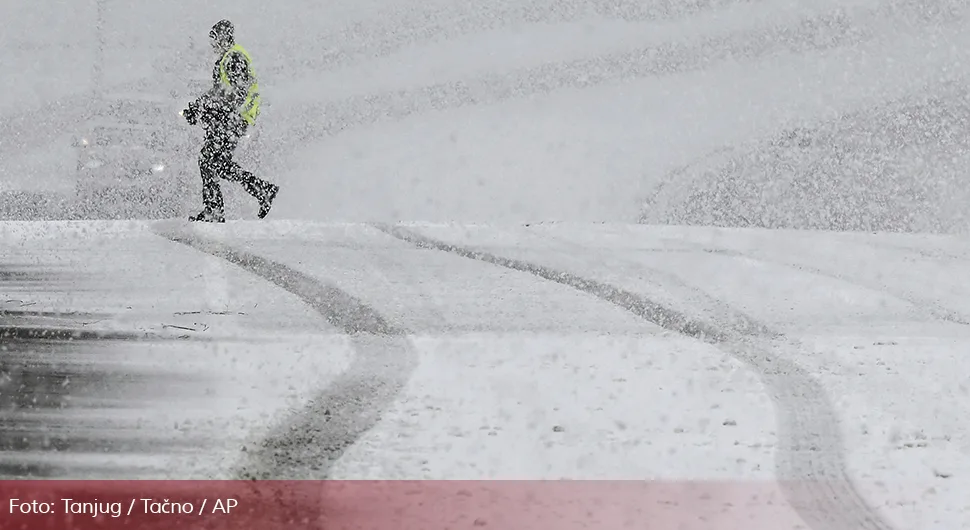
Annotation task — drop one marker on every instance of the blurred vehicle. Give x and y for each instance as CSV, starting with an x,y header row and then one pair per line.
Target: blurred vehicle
x,y
137,158
132,157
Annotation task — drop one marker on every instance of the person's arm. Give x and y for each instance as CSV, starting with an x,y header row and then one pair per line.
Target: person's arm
x,y
221,100
231,97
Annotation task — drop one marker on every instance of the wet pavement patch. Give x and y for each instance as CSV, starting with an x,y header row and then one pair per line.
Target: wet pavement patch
x,y
61,397
68,389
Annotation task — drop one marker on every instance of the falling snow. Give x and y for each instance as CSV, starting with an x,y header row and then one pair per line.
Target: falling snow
x,y
525,239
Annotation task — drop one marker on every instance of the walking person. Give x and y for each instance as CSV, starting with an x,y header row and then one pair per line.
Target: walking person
x,y
226,111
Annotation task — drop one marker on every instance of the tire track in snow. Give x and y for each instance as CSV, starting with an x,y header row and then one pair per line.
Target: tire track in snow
x,y
836,28
954,250
932,308
360,39
305,444
727,317
820,32
399,26
810,461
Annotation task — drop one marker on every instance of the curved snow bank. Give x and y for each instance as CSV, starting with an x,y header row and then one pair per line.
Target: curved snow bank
x,y
580,138
287,349
894,167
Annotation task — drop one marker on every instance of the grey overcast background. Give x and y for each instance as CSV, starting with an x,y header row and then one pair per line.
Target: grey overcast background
x,y
685,240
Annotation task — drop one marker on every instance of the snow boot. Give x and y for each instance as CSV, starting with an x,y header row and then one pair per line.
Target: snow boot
x,y
266,201
208,216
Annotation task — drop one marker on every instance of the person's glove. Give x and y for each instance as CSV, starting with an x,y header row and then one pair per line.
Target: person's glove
x,y
191,113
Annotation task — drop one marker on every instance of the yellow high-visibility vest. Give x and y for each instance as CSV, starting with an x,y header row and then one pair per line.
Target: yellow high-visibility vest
x,y
250,107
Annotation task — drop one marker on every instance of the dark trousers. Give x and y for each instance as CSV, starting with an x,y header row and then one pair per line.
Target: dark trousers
x,y
215,162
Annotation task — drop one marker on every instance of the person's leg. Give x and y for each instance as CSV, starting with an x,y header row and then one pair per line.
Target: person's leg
x,y
209,161
261,190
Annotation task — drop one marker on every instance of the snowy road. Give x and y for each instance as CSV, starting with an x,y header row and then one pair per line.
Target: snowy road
x,y
282,349
790,379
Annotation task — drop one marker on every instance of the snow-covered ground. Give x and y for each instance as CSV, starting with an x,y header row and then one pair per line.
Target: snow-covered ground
x,y
607,351
511,319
